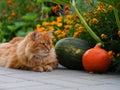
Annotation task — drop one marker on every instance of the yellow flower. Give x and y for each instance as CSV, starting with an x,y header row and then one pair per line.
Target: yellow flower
x,y
77,25
95,21
99,8
103,36
85,14
76,34
59,19
53,23
119,33
38,26
51,28
41,29
53,38
104,10
59,24
80,29
45,23
118,54
110,7
67,27
62,35
57,32
69,16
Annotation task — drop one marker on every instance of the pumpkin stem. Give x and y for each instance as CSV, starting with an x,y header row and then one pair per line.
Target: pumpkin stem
x,y
98,45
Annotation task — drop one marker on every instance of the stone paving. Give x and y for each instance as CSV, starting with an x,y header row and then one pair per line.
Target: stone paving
x,y
58,79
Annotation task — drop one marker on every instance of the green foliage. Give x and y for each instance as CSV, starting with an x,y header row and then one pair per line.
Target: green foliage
x,y
62,2
18,17
111,2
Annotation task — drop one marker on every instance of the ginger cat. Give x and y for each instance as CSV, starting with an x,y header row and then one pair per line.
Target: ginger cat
x,y
34,52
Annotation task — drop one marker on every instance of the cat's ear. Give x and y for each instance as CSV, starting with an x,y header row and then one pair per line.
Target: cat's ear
x,y
35,34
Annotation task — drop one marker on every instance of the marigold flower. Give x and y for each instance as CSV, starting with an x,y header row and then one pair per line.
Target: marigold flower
x,y
85,14
95,21
53,38
53,23
118,54
76,34
119,33
51,28
45,23
38,26
67,12
68,27
69,16
59,24
59,19
80,29
110,7
9,2
103,36
9,17
99,8
66,8
13,14
55,8
4,12
41,29
57,32
104,10
62,35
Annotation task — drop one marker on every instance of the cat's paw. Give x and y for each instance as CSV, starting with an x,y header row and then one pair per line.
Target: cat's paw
x,y
48,68
38,69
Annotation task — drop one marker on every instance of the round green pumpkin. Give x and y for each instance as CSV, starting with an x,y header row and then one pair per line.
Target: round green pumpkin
x,y
69,52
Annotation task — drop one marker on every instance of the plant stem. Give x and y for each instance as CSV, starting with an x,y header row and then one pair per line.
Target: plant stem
x,y
89,30
117,17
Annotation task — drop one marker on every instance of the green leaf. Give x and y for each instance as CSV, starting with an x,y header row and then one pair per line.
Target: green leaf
x,y
30,16
62,2
12,27
111,2
20,24
40,0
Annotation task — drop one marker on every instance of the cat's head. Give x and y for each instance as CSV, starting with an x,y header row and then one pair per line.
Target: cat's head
x,y
39,43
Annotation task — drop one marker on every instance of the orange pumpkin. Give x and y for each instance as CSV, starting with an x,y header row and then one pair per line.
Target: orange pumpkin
x,y
96,60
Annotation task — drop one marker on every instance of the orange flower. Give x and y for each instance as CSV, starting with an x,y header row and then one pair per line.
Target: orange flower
x,y
110,7
80,29
4,12
103,36
76,34
59,24
9,2
59,19
95,21
57,32
85,14
119,33
41,29
55,8
13,14
66,8
9,17
45,23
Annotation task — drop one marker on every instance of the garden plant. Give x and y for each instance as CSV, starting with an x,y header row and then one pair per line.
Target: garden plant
x,y
95,21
